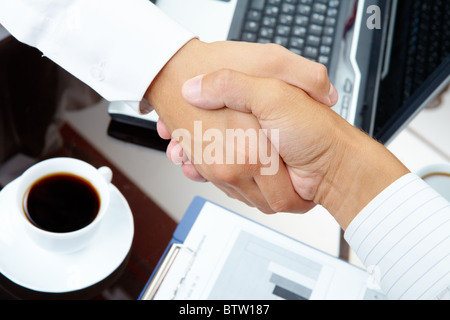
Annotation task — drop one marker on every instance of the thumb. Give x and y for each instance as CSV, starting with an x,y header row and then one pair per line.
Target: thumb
x,y
232,89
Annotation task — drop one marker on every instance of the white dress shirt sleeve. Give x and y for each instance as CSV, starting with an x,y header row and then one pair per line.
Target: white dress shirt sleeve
x,y
404,234
117,47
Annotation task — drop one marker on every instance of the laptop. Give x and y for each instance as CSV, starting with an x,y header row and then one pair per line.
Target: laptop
x,y
388,59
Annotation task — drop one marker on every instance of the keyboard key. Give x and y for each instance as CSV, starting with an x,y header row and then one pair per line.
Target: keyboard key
x,y
266,32
296,51
288,8
249,37
282,41
330,21
328,31
315,30
313,41
326,40
304,9
257,4
297,43
269,22
334,4
320,8
301,20
251,26
318,19
254,15
286,19
325,50
283,30
272,11
311,52
299,31
323,60
263,40
332,12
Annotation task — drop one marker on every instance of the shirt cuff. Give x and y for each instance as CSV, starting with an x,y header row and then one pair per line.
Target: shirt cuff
x,y
403,237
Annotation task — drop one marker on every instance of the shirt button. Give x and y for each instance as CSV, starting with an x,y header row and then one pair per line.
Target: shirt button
x,y
97,73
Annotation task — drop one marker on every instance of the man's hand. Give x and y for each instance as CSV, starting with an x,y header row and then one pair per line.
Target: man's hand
x,y
268,193
330,162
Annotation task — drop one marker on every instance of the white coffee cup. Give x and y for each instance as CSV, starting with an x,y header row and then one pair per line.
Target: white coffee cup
x,y
437,175
65,242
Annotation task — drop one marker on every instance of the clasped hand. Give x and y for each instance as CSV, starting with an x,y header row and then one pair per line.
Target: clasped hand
x,y
268,81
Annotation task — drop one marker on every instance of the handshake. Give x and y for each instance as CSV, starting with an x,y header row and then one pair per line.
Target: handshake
x,y
255,120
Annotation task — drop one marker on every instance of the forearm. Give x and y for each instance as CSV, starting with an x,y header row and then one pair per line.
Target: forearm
x,y
116,47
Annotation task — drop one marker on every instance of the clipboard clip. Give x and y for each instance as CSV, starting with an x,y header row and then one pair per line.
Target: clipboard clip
x,y
163,269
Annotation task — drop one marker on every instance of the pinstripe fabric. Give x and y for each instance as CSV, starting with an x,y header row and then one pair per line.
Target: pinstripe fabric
x,y
405,234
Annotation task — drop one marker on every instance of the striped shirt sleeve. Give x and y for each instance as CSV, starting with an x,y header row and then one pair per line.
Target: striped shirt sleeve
x,y
405,234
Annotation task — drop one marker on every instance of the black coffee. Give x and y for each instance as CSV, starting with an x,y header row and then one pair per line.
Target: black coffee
x,y
61,203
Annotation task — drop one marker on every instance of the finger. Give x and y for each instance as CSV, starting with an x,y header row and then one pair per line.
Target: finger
x,y
274,61
219,89
309,76
191,172
233,194
274,182
249,192
162,130
280,194
175,153
243,187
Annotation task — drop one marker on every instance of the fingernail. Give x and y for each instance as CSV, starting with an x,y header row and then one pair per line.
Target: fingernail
x,y
333,95
192,89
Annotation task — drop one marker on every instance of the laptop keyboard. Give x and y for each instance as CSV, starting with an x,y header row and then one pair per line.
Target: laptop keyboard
x,y
428,42
305,27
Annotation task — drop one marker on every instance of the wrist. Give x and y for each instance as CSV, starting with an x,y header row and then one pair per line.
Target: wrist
x,y
362,169
164,93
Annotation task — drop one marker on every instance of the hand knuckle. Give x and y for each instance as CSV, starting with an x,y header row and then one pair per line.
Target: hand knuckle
x,y
322,80
225,174
277,87
223,78
280,205
273,57
266,210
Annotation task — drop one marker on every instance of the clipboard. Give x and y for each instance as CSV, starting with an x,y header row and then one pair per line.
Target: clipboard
x,y
217,254
173,249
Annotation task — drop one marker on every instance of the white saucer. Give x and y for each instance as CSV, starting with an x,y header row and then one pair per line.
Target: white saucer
x,y
32,267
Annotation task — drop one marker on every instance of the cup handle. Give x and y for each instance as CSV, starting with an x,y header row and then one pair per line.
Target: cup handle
x,y
106,173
